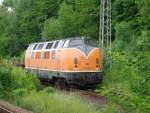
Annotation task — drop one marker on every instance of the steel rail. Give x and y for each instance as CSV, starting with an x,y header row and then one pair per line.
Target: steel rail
x,y
6,107
5,110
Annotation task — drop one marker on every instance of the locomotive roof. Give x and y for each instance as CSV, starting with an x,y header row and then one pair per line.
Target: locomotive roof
x,y
73,38
44,45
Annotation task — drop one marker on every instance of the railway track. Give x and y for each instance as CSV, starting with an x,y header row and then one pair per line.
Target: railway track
x,y
9,108
89,96
4,110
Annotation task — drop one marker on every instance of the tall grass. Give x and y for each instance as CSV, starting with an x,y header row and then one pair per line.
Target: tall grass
x,y
57,102
20,88
43,102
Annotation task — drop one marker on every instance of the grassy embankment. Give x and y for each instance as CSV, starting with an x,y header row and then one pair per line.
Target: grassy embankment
x,y
127,83
21,88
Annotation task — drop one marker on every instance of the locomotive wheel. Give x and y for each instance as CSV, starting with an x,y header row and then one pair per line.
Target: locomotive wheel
x,y
60,84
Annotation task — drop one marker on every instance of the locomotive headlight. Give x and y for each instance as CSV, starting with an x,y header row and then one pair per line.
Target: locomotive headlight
x,y
97,64
75,63
97,69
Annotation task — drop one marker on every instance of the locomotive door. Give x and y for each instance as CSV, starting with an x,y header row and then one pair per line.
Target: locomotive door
x,y
58,61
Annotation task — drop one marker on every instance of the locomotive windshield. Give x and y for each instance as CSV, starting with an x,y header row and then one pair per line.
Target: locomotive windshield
x,y
76,42
81,42
91,42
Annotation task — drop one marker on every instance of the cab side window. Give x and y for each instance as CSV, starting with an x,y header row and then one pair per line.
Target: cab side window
x,y
49,45
56,44
40,46
34,48
61,43
66,44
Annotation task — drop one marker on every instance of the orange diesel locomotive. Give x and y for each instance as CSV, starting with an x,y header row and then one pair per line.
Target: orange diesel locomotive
x,y
69,61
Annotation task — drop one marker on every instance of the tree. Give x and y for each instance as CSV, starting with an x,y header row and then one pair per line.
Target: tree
x,y
75,18
26,22
124,10
144,18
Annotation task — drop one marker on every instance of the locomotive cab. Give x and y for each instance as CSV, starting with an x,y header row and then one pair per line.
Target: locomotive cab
x,y
85,62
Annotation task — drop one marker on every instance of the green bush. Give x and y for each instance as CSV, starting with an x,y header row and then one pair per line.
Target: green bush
x,y
15,81
6,82
23,79
126,84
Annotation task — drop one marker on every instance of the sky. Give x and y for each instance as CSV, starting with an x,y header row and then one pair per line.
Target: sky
x,y
1,1
9,9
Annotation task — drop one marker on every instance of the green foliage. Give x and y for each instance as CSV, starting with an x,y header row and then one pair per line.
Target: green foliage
x,y
49,90
28,81
143,43
63,19
15,81
52,30
24,23
110,109
6,82
36,20
124,10
144,13
74,19
143,63
126,84
123,35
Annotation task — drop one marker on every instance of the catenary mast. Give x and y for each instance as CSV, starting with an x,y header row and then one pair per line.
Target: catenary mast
x,y
105,29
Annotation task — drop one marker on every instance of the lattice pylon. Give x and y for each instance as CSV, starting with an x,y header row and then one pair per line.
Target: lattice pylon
x,y
105,28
